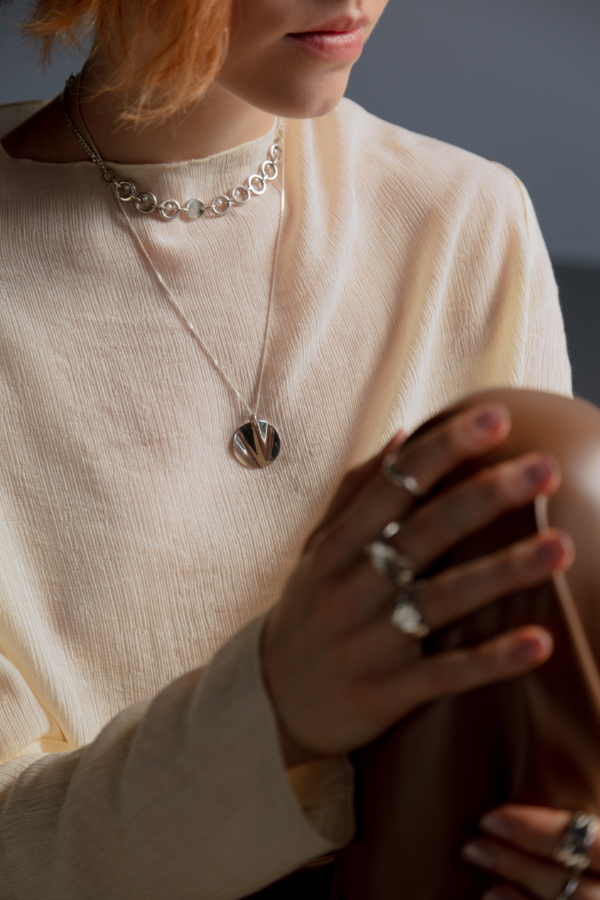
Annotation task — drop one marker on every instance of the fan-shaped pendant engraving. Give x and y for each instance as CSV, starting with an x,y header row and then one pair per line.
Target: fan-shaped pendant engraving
x,y
256,444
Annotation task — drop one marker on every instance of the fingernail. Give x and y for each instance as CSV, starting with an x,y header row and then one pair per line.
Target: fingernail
x,y
538,472
478,854
488,420
550,553
527,650
496,825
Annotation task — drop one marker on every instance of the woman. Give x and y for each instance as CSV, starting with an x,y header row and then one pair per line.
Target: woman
x,y
154,743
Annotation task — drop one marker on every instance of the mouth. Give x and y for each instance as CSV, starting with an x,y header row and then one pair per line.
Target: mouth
x,y
338,39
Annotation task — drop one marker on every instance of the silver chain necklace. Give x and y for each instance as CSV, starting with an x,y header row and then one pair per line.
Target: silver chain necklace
x,y
145,202
257,443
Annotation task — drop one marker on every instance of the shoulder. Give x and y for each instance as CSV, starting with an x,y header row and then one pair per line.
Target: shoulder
x,y
14,114
391,166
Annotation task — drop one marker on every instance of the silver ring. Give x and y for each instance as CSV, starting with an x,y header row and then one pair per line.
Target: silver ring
x,y
408,616
142,198
570,887
125,190
401,479
268,164
250,184
572,847
275,152
226,202
236,194
169,209
394,566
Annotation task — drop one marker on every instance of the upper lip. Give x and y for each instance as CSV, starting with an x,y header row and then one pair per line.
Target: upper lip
x,y
340,24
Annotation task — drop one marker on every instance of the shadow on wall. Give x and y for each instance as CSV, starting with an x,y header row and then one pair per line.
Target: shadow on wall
x,y
580,300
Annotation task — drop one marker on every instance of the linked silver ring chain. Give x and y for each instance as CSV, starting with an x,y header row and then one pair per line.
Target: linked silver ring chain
x,y
146,202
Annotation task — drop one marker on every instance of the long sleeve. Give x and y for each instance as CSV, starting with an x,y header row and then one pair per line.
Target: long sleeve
x,y
182,796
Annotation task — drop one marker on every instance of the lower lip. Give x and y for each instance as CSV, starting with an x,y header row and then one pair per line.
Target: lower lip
x,y
338,45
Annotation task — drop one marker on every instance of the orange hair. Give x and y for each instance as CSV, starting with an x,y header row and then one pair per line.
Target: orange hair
x,y
191,45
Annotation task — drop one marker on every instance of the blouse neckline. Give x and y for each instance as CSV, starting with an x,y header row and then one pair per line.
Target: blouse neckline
x,y
240,155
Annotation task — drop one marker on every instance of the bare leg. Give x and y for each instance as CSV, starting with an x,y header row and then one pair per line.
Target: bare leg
x,y
422,788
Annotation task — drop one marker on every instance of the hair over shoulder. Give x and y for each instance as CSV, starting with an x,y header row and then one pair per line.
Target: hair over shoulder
x,y
165,54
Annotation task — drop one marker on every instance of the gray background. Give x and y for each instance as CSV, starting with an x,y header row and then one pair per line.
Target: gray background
x,y
517,81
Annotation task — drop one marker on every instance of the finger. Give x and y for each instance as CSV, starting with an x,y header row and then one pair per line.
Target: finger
x,y
540,878
362,594
457,671
352,482
376,651
463,436
465,589
455,514
428,459
534,829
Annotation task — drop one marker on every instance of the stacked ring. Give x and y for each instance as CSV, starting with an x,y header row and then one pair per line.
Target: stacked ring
x,y
408,615
401,479
394,566
572,850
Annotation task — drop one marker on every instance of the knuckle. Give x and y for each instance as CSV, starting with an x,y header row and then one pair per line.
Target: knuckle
x,y
492,487
496,490
454,443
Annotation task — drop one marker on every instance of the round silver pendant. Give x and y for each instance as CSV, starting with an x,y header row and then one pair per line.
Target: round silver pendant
x,y
194,209
256,444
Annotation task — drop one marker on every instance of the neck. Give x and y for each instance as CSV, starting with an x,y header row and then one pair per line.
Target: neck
x,y
217,122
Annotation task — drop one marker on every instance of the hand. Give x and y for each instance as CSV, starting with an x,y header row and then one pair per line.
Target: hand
x,y
519,851
338,673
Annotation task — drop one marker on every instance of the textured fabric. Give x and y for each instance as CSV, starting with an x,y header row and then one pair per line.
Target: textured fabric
x,y
132,545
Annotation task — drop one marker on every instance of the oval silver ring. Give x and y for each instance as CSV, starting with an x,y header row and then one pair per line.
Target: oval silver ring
x,y
236,197
108,175
268,163
275,152
222,212
408,616
572,848
169,209
390,563
254,190
401,479
127,186
140,200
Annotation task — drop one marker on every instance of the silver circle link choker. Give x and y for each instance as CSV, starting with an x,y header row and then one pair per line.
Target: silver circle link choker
x,y
145,202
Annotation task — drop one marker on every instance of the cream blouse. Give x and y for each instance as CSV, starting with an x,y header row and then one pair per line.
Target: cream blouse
x,y
139,751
